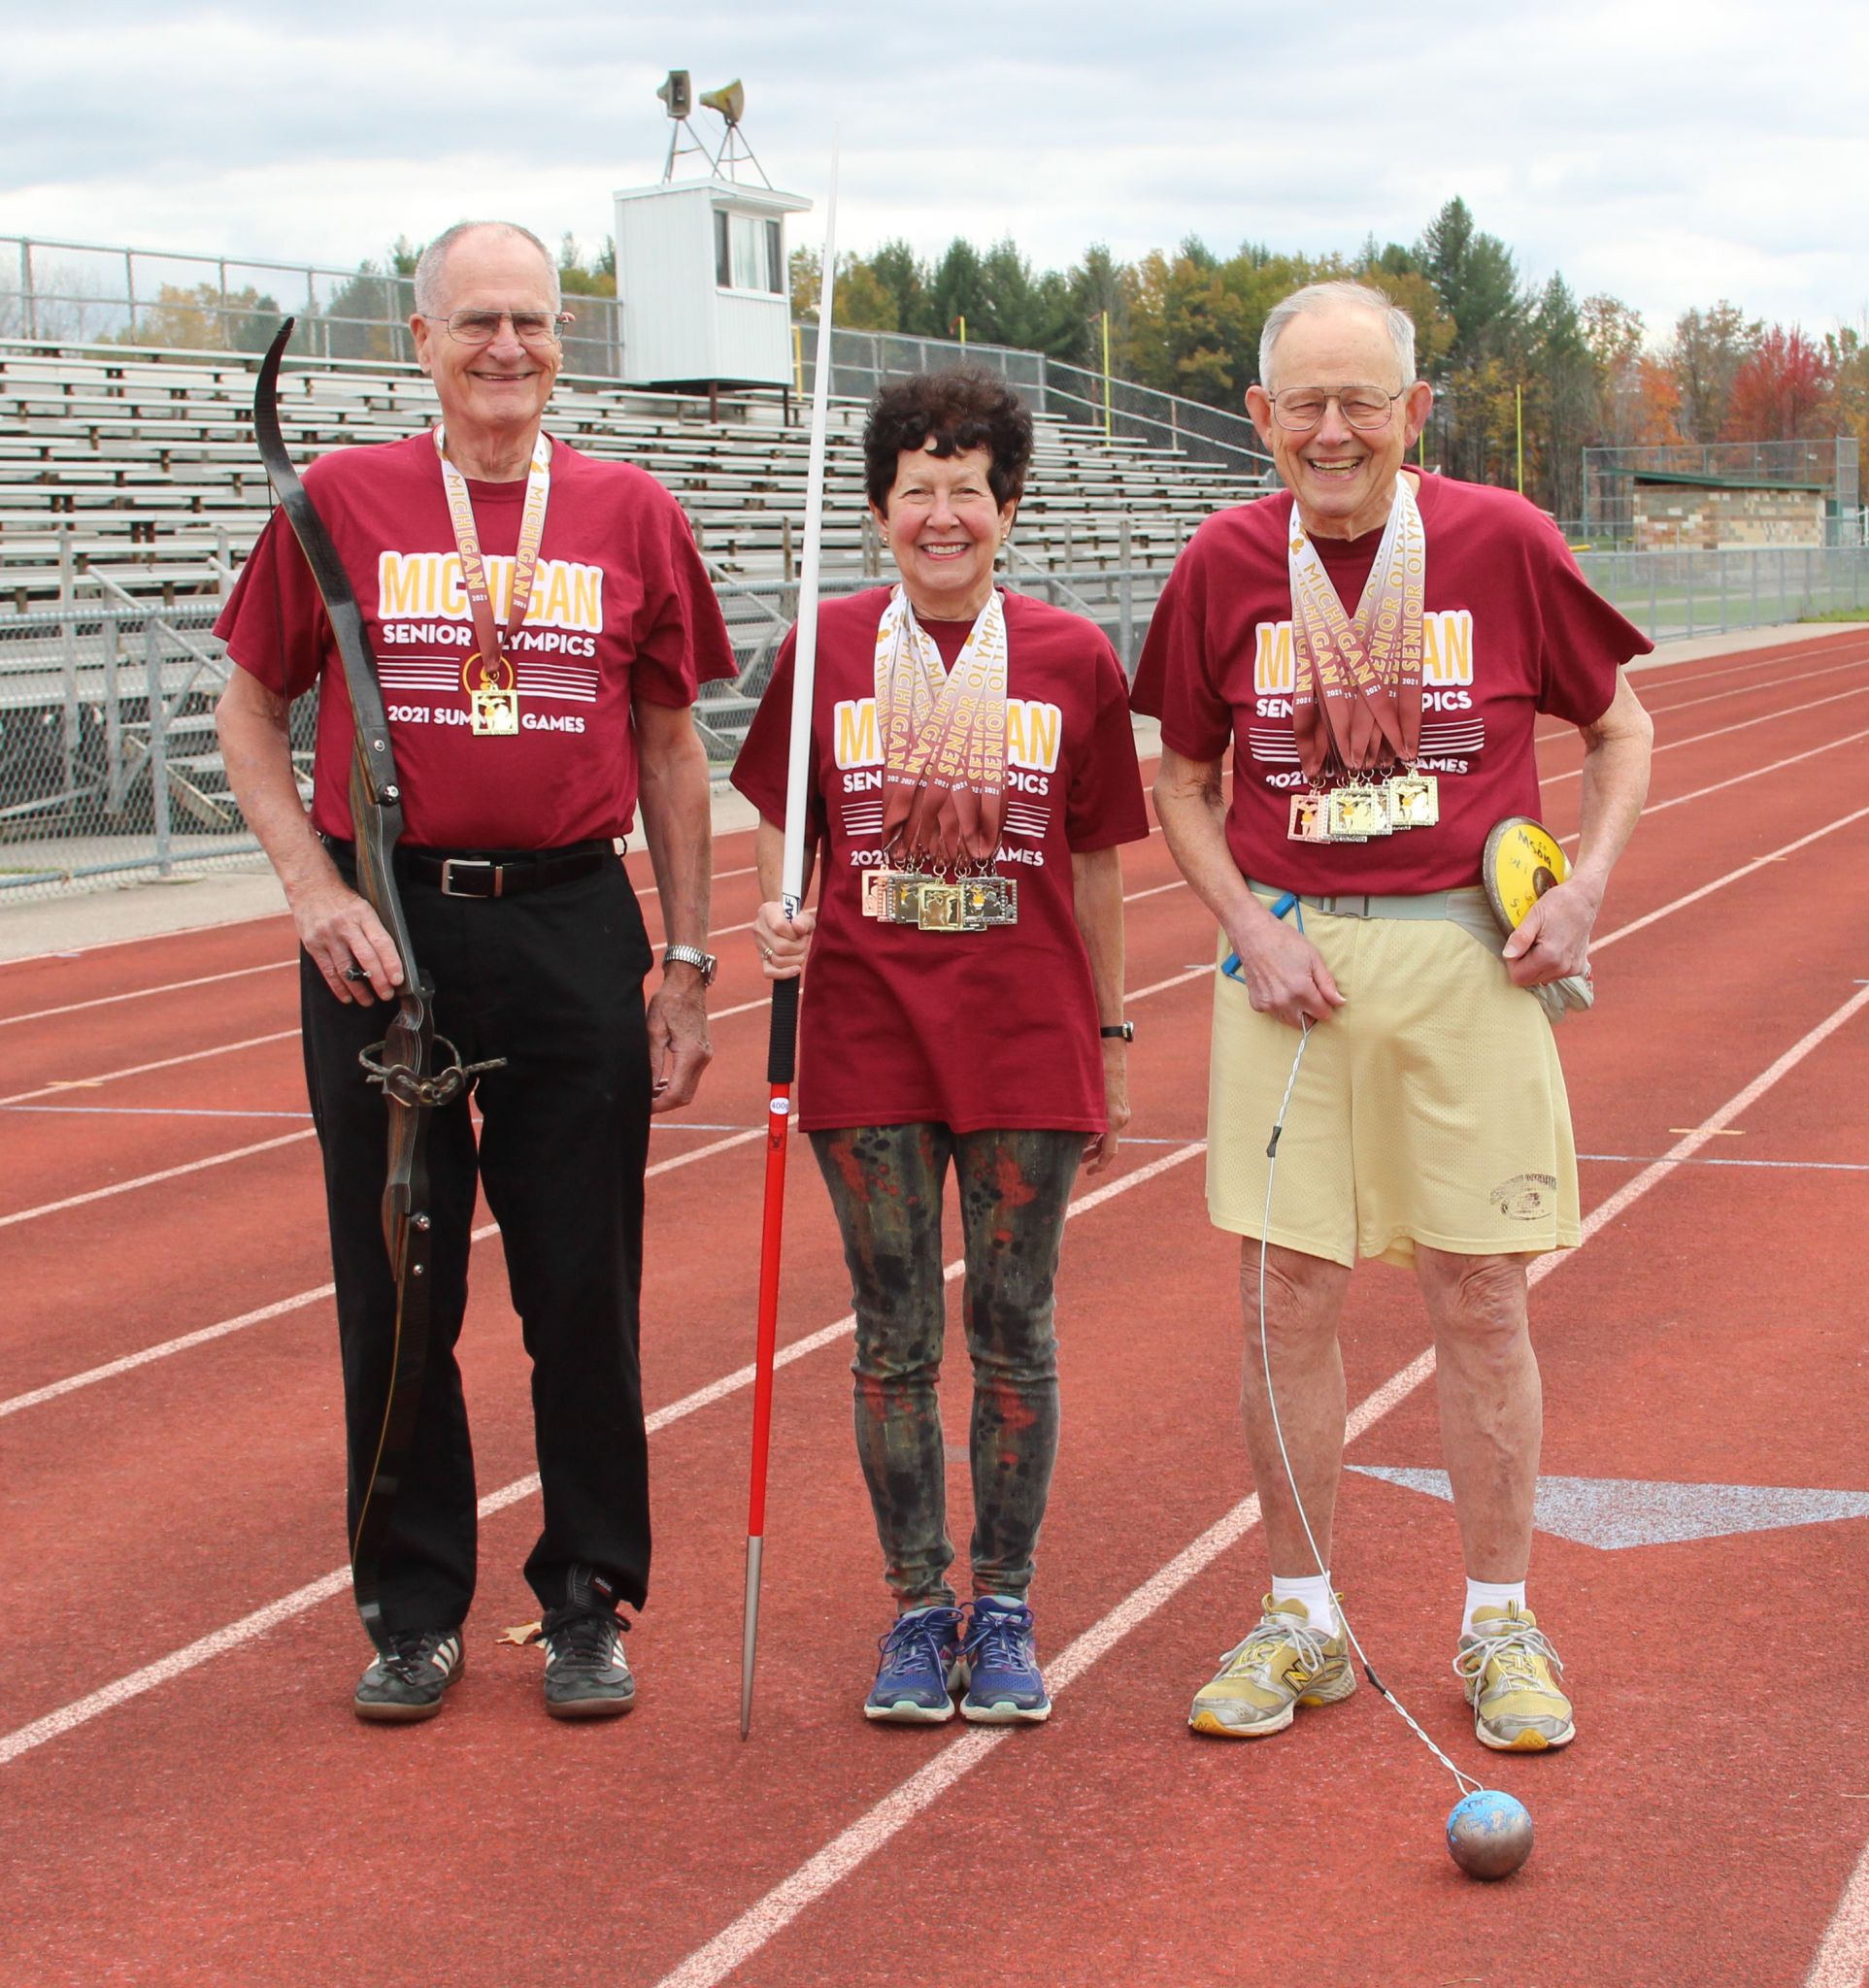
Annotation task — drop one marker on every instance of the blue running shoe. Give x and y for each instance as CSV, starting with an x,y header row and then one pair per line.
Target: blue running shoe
x,y
915,1681
1005,1686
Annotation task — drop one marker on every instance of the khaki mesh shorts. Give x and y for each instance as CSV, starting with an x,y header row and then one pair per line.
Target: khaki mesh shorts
x,y
1429,1108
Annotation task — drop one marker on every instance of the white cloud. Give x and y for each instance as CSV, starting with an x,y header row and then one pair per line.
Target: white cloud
x,y
1670,153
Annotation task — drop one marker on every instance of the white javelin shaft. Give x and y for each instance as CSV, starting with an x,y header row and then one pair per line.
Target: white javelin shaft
x,y
792,875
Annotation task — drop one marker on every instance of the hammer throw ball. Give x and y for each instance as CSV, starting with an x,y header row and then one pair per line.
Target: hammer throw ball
x,y
1488,1834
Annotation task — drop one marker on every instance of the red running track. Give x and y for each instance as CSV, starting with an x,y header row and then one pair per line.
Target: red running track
x,y
188,1800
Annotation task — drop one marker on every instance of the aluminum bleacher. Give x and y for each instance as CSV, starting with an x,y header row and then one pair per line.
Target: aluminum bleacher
x,y
137,466
132,492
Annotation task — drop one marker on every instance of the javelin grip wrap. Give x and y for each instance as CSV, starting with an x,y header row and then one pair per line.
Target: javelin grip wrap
x,y
781,1050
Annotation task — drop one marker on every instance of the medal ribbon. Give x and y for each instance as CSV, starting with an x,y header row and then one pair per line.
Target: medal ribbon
x,y
1357,689
494,666
942,734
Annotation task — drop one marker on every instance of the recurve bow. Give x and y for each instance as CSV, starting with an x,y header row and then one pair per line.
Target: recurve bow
x,y
415,1081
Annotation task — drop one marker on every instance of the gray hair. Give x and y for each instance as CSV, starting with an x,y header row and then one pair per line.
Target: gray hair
x,y
1334,296
430,267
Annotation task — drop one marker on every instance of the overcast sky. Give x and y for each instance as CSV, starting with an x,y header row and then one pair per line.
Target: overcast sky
x,y
1669,153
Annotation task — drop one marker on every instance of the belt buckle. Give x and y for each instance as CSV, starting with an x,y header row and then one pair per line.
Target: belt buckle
x,y
449,864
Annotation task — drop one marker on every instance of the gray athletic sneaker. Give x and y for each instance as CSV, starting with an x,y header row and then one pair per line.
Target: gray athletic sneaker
x,y
405,1682
587,1675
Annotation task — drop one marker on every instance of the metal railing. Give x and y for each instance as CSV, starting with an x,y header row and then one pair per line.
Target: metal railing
x,y
72,292
861,361
77,293
109,769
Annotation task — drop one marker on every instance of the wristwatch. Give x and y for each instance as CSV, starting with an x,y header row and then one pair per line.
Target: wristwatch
x,y
704,963
1117,1032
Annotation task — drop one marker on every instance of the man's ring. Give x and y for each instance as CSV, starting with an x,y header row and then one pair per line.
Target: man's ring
x,y
765,952
353,972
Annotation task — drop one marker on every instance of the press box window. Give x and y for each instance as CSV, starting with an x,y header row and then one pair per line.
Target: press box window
x,y
746,254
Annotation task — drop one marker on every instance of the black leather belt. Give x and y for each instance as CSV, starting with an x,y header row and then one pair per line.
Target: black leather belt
x,y
499,874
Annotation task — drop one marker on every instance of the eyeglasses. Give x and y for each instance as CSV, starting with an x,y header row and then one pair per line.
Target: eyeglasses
x,y
1303,408
482,327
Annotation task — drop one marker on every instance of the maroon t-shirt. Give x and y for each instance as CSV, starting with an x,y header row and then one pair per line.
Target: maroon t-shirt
x,y
1511,628
967,1029
621,609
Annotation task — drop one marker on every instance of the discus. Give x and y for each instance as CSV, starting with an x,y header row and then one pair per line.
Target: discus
x,y
1520,863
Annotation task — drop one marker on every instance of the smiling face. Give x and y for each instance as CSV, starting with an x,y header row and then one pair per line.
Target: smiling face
x,y
494,393
1342,478
945,527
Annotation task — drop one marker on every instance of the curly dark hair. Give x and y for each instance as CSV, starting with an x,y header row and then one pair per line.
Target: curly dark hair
x,y
960,408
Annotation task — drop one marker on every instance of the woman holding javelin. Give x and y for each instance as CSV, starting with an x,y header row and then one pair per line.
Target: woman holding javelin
x,y
972,774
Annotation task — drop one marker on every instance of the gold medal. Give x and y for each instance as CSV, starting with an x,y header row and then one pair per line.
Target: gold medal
x,y
488,677
939,908
1413,800
1358,812
492,696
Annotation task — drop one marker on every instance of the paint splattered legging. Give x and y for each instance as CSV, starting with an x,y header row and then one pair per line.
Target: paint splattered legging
x,y
885,1183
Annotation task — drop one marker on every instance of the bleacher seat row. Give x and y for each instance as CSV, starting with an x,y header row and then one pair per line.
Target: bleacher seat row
x,y
142,462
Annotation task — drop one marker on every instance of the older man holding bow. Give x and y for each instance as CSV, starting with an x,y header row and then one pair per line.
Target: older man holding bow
x,y
544,623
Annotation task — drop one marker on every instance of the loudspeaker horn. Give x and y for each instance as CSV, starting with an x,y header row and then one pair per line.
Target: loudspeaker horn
x,y
730,102
675,93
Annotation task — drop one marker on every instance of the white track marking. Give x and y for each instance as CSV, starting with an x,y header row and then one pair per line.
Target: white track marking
x,y
53,1390
187,1340
1768,682
1155,890
241,1152
738,1943
79,1083
1721,731
1843,1959
272,966
1731,877
1719,786
69,1718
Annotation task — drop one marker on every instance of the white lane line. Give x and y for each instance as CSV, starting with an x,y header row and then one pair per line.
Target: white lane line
x,y
241,1152
1788,1166
1721,731
1155,890
272,966
1720,786
91,1375
738,1943
142,1112
68,1718
1733,876
1766,683
79,1083
1843,1959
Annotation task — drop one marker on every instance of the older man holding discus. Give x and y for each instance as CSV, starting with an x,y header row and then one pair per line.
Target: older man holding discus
x,y
541,623
1376,644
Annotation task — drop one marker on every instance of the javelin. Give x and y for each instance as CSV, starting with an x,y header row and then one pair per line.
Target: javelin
x,y
782,1042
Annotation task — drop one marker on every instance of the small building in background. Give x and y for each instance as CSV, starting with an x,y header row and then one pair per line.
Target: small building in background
x,y
702,281
1675,511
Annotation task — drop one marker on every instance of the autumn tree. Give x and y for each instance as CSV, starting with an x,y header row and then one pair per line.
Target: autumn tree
x,y
1783,391
202,319
1708,348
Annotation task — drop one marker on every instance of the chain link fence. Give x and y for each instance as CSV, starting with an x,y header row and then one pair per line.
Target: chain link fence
x,y
110,771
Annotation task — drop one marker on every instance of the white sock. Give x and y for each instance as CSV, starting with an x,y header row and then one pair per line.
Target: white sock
x,y
1490,1594
1314,1591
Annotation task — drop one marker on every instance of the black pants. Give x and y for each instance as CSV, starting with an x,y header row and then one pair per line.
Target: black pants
x,y
554,983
